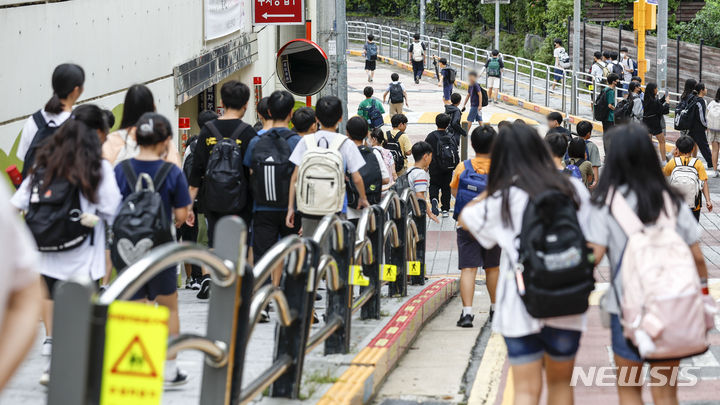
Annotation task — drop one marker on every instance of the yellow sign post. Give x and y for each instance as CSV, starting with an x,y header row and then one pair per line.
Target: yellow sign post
x,y
135,348
357,277
414,268
644,18
388,272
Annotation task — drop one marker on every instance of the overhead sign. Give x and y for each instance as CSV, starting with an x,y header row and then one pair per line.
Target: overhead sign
x,y
302,67
281,12
222,17
135,348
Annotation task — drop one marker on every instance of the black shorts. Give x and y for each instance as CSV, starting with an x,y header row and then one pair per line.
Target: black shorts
x,y
268,228
165,283
370,64
50,283
472,255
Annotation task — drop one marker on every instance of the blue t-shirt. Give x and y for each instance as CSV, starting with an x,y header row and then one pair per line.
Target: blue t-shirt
x,y
174,190
474,95
247,161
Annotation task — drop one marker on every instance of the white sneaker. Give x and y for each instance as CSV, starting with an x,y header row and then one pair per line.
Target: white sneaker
x,y
47,347
180,378
45,377
711,173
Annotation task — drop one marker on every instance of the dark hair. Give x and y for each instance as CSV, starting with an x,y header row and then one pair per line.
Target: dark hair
x,y
329,111
555,116
371,37
443,61
482,139
280,104
92,116
650,92
262,108
632,86
152,128
623,49
357,128
109,118
394,77
606,54
502,124
138,101
416,36
234,94
205,117
303,118
442,120
521,159
455,98
636,79
557,41
597,55
557,142
473,73
65,79
584,128
699,87
689,88
73,153
613,55
420,149
612,78
576,148
398,119
368,91
495,52
632,162
378,135
717,95
685,144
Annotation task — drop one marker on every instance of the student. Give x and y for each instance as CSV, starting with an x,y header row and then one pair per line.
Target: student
x,y
398,142
634,89
502,124
713,123
21,294
418,177
475,96
153,134
373,171
416,56
234,97
560,56
440,176
558,145
67,84
609,94
699,126
653,110
686,149
627,64
447,74
598,70
264,121
521,169
371,109
555,124
584,131
494,67
71,155
329,112
576,160
471,255
121,144
377,140
632,171
304,121
370,52
397,93
453,110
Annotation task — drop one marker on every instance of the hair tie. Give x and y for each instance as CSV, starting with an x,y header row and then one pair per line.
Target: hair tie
x,y
147,127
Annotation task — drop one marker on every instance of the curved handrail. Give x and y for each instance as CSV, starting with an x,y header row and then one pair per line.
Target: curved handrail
x,y
328,267
391,230
366,223
260,301
391,198
277,254
363,252
216,351
330,225
412,238
409,197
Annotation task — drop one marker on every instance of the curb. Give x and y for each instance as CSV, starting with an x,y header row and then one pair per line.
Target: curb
x,y
358,384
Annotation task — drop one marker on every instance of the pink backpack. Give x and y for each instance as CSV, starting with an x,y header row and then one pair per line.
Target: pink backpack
x,y
664,312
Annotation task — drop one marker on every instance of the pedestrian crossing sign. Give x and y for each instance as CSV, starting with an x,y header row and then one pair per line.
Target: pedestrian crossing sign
x,y
135,348
414,268
357,277
388,272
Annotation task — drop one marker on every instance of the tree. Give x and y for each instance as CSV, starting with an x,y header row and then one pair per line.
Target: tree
x,y
705,25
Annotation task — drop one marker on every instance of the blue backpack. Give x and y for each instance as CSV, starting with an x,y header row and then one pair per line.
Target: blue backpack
x,y
471,184
573,170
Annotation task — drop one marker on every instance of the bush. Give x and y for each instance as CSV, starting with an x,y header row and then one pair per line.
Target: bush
x,y
705,25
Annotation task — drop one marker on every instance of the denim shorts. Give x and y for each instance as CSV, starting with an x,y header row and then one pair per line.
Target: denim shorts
x,y
474,115
620,344
447,92
559,344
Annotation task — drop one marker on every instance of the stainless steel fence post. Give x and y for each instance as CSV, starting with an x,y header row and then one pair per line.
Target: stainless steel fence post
x,y
547,86
515,79
421,224
564,97
371,310
462,63
532,80
398,256
339,302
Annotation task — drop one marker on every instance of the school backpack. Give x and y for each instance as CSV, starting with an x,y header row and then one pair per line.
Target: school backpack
x,y
371,51
417,51
623,110
713,116
272,169
446,152
493,68
375,117
565,60
43,133
141,223
372,178
663,310
403,182
601,110
396,93
618,70
686,180
451,76
225,186
190,158
555,268
53,215
685,113
470,185
484,96
393,145
573,169
320,188
635,67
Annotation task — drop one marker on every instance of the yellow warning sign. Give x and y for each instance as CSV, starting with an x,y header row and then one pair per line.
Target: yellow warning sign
x,y
135,347
414,268
388,272
357,277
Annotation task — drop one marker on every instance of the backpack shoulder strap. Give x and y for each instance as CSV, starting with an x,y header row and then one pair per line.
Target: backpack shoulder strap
x,y
678,162
624,214
161,175
397,136
310,142
130,175
39,119
337,143
239,130
213,129
692,162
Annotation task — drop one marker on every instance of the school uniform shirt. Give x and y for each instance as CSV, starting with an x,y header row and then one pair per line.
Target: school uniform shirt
x,y
627,64
174,190
89,258
557,53
419,179
699,166
596,71
120,146
19,254
31,128
604,230
484,221
384,174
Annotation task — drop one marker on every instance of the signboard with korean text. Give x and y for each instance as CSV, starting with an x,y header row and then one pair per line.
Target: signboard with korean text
x,y
285,12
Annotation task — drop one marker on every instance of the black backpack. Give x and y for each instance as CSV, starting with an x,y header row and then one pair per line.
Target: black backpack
x,y
54,215
403,182
393,145
372,178
44,132
396,93
685,113
618,70
190,159
485,99
141,223
446,152
556,264
272,169
600,107
451,76
225,187
623,111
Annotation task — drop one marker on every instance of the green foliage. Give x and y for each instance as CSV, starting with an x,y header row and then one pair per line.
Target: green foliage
x,y
706,25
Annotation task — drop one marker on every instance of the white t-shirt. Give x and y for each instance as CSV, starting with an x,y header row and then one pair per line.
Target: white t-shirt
x,y
350,153
597,70
419,179
31,128
384,174
402,86
484,221
557,54
87,259
627,64
17,248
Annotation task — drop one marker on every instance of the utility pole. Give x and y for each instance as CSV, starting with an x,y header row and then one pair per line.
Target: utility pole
x,y
575,55
332,38
342,87
422,17
497,24
662,57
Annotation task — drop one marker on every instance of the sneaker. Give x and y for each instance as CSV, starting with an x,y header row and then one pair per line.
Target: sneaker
x,y
711,173
445,214
204,292
465,321
180,378
195,285
315,318
47,347
188,283
318,297
434,205
492,313
264,317
45,378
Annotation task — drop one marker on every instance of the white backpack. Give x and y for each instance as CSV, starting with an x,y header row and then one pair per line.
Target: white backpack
x,y
713,116
320,188
686,180
417,52
664,312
